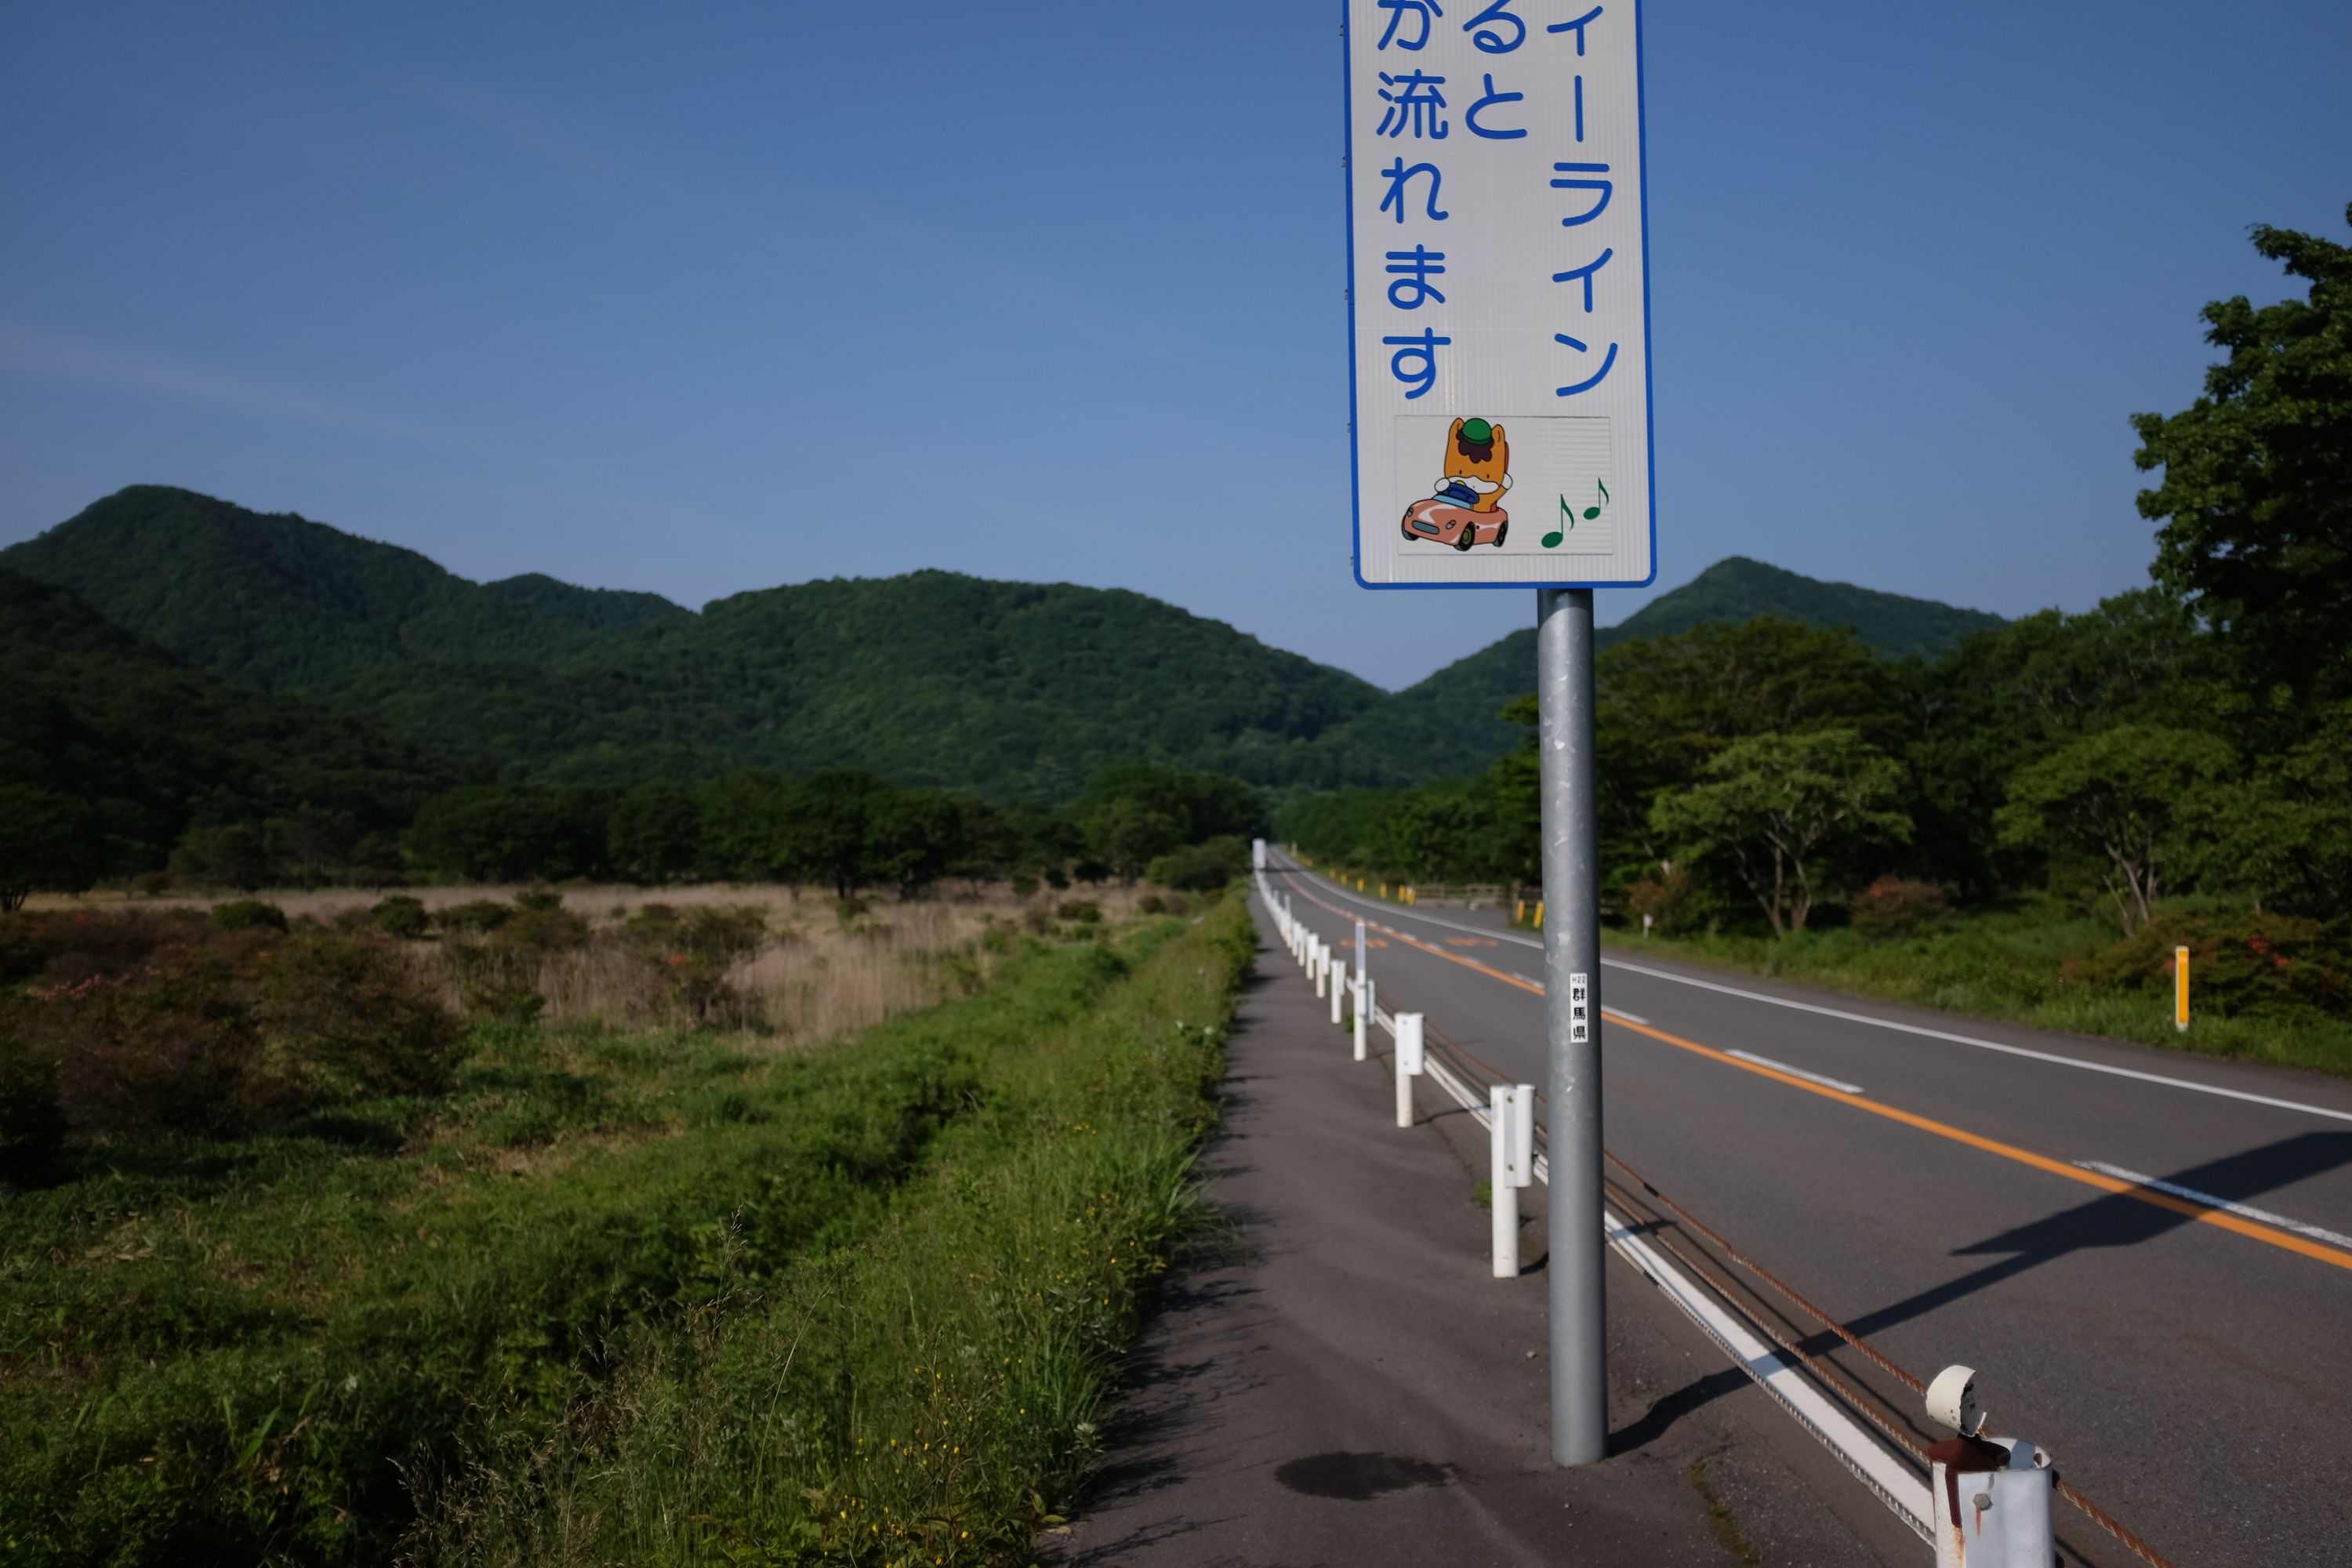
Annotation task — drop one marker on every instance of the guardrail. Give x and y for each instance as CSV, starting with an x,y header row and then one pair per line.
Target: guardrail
x,y
1821,1398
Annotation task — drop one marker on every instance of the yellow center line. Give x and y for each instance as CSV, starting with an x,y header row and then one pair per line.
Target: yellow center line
x,y
2199,1212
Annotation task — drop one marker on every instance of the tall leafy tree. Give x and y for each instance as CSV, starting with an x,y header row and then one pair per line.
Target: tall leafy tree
x,y
48,843
828,827
655,833
1668,705
2256,498
1779,811
2283,834
2113,799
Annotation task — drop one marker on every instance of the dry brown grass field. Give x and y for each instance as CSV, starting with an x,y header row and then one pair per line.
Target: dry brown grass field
x,y
799,972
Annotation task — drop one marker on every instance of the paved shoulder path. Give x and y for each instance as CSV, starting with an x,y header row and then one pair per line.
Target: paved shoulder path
x,y
1347,1385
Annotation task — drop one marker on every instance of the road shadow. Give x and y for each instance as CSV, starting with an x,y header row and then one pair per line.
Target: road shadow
x,y
2116,1219
2110,1220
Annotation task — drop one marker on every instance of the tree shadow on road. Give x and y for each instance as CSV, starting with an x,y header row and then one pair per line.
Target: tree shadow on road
x,y
2111,1220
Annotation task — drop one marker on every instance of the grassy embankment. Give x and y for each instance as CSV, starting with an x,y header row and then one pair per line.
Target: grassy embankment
x,y
2026,965
628,1296
2033,964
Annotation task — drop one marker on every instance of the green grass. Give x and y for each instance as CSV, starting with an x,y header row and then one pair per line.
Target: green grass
x,y
2010,965
642,1299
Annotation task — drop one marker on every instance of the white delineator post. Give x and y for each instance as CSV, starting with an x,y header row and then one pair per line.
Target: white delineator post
x,y
1510,1112
1322,966
1408,1063
1338,986
1363,1010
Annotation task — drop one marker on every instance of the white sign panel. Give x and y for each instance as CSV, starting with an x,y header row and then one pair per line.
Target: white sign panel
x,y
1499,293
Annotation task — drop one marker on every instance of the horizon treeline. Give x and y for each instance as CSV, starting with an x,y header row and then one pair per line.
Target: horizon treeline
x,y
844,830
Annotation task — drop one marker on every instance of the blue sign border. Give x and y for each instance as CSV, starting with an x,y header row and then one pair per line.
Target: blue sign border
x,y
1348,293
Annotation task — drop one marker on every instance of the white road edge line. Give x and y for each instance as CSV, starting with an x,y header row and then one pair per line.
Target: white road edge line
x,y
1608,1012
1895,1486
1794,1072
2243,1211
1783,1380
1841,1014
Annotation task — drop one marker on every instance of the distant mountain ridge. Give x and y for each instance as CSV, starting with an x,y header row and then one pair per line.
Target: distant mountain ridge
x,y
1450,717
277,601
1020,691
91,711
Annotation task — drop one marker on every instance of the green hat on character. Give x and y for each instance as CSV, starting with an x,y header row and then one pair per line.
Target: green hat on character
x,y
1477,432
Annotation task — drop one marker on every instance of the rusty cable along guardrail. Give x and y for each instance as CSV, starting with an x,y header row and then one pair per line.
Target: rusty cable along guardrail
x,y
1477,1073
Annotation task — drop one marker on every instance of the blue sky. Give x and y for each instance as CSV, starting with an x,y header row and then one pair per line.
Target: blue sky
x,y
703,299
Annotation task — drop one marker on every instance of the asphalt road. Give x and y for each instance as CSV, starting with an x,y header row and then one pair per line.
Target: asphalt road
x,y
2190,1367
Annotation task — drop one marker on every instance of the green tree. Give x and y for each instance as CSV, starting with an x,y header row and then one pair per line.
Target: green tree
x,y
1778,811
2256,499
828,828
745,817
223,855
1202,805
1127,834
2113,797
2285,834
1668,705
48,843
656,833
2013,696
916,837
513,833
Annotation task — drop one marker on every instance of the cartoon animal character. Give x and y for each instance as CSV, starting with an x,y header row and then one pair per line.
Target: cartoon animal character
x,y
1467,508
1478,459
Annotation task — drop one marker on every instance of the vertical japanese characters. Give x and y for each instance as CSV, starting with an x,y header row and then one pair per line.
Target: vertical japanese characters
x,y
1422,110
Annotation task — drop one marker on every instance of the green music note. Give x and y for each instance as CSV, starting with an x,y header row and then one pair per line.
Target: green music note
x,y
1569,519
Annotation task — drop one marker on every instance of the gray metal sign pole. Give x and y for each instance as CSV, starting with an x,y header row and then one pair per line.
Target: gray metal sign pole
x,y
1579,1360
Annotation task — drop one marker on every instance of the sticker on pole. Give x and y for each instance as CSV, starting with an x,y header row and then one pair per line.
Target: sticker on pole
x,y
1498,294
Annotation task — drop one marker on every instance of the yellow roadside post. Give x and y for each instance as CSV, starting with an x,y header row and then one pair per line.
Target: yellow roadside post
x,y
2180,989
1539,914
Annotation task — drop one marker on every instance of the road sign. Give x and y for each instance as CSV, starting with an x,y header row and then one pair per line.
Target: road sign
x,y
1499,293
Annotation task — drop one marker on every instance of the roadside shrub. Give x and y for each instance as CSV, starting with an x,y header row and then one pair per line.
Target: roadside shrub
x,y
146,1029
247,914
1025,884
1669,899
2240,965
1153,904
540,898
347,1020
480,915
546,929
1078,911
691,954
1201,868
402,916
169,1051
1892,908
32,1121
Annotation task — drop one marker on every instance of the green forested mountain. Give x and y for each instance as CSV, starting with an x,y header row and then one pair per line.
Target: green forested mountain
x,y
93,712
1021,692
1739,589
1449,719
284,604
